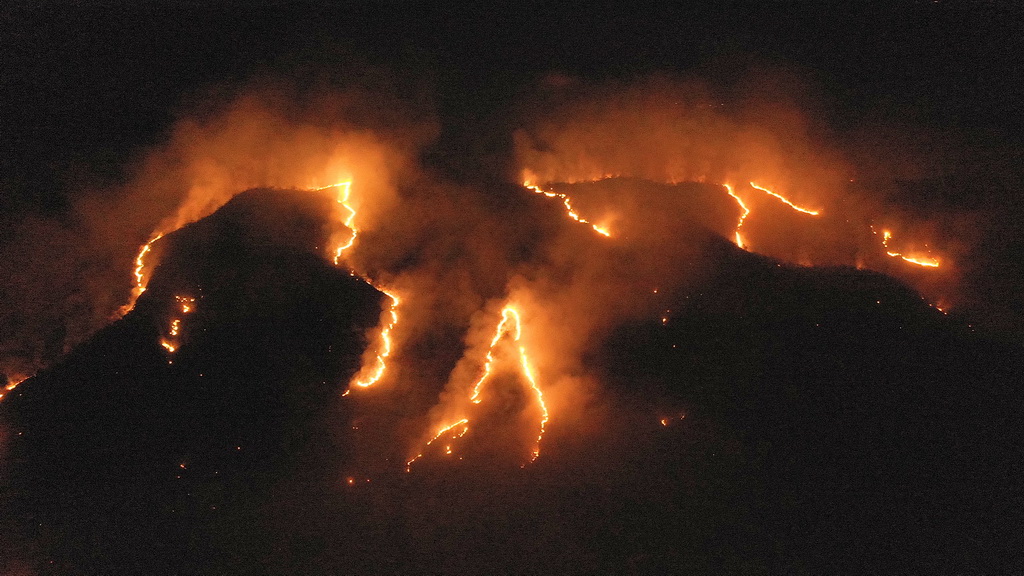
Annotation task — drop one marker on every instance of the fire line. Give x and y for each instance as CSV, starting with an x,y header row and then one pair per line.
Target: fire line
x,y
511,326
389,315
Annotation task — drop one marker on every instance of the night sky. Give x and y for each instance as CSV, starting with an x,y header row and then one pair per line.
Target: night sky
x,y
799,407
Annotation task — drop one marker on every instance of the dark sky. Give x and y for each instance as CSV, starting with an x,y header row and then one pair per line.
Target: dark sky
x,y
87,84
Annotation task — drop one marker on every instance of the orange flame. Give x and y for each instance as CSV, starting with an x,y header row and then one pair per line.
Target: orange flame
x,y
371,376
568,208
785,200
342,198
139,273
924,261
465,428
510,325
11,385
743,216
170,343
385,346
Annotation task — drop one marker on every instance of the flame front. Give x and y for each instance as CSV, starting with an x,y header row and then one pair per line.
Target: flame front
x,y
377,372
366,376
510,326
925,261
743,216
568,207
785,200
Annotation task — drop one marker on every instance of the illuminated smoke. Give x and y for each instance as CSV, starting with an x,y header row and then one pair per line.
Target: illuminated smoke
x,y
509,327
671,132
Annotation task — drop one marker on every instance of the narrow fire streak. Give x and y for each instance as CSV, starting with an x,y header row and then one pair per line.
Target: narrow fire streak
x,y
743,216
925,261
511,326
344,190
385,346
139,272
568,207
785,200
746,209
366,377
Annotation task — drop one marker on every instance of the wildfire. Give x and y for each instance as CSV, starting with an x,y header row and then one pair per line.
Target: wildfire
x,y
385,345
344,189
139,273
743,216
12,383
186,304
366,377
785,200
924,261
746,209
568,208
511,326
444,430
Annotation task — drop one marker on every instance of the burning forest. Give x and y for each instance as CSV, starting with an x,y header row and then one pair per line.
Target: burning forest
x,y
665,326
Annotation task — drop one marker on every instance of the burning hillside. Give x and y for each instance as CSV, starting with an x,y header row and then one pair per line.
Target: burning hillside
x,y
677,334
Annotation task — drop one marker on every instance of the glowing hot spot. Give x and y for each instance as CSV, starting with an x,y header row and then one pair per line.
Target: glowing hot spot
x,y
925,261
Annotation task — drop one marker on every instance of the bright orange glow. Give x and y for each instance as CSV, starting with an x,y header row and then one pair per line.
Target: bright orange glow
x,y
385,346
503,328
140,275
540,399
366,377
344,190
186,304
785,200
511,326
12,383
925,261
743,216
444,429
568,208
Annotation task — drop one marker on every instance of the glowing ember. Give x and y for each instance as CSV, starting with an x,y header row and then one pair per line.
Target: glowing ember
x,y
924,261
12,383
568,208
510,325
